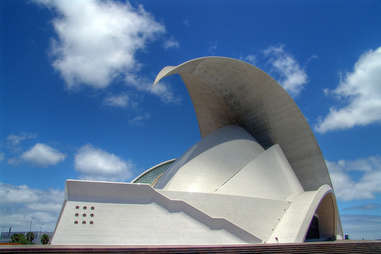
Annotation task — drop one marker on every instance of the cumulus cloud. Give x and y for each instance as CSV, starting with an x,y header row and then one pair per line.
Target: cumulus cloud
x,y
97,40
13,161
15,140
362,226
161,89
171,43
250,58
360,90
97,164
212,49
365,187
17,194
14,145
186,22
121,100
43,155
19,205
138,120
292,76
365,207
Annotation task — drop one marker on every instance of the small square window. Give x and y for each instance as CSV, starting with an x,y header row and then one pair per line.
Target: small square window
x,y
83,222
84,215
85,207
77,207
76,214
92,208
75,222
91,222
92,215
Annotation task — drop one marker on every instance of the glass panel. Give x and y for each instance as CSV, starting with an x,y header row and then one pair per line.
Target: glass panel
x,y
151,175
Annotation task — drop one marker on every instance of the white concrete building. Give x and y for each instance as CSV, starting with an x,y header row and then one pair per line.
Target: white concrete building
x,y
256,176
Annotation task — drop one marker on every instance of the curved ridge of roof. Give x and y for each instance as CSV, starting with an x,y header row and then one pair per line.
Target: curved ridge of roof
x,y
145,172
226,91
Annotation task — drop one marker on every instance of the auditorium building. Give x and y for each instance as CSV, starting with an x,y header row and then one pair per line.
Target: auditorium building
x,y
256,176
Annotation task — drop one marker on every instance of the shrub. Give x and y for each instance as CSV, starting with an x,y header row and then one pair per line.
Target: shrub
x,y
44,239
30,236
19,238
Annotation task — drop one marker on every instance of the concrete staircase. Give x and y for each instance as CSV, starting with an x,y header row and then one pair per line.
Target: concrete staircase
x,y
338,247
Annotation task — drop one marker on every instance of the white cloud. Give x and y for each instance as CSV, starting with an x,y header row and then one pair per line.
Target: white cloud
x,y
138,120
251,59
19,205
94,163
13,161
362,226
365,164
97,40
15,140
161,89
171,43
292,76
43,155
365,207
212,47
367,186
186,22
45,207
17,194
361,90
121,101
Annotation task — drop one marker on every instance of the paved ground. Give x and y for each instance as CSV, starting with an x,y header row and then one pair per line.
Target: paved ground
x,y
316,247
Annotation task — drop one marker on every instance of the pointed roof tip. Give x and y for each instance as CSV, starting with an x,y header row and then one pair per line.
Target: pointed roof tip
x,y
169,70
166,71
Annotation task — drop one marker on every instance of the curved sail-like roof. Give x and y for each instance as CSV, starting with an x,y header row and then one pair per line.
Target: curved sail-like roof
x,y
226,91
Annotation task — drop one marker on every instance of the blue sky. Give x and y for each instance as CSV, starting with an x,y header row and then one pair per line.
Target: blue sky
x,y
76,99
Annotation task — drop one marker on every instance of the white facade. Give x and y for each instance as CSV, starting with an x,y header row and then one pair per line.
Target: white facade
x,y
256,176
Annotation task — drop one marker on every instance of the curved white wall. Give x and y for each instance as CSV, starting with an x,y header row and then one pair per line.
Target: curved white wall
x,y
269,176
212,161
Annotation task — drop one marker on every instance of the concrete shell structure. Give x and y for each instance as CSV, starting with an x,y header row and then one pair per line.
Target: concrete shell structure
x,y
256,176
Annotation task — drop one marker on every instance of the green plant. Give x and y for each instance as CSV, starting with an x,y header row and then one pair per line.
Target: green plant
x,y
19,238
44,239
30,236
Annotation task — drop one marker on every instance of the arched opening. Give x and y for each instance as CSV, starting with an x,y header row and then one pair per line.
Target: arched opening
x,y
323,223
313,230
